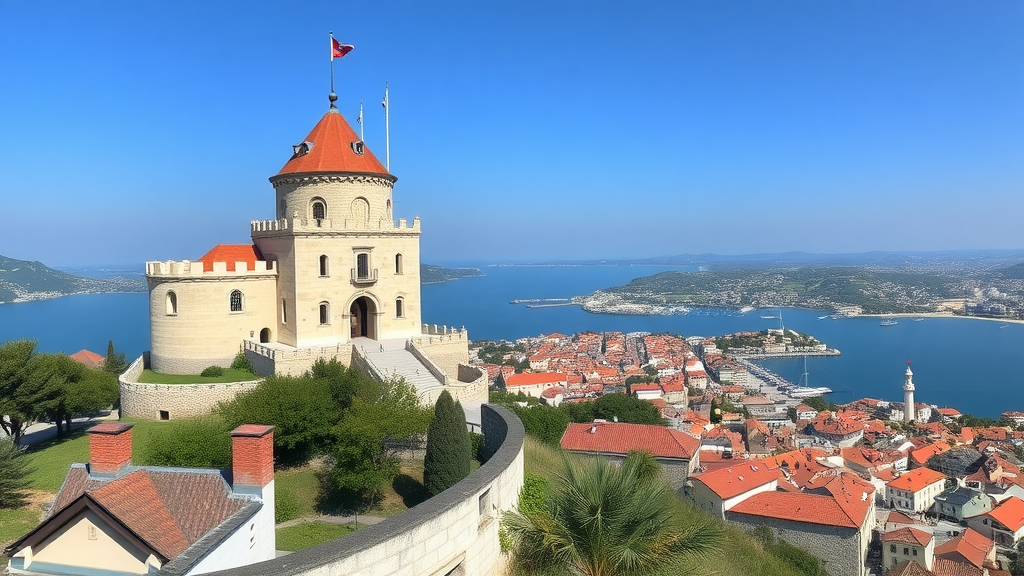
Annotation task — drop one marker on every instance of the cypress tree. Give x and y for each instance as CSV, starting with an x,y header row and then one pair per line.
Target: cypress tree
x,y
448,446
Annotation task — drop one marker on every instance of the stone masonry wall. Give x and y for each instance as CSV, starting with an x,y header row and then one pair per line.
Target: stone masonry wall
x,y
839,548
455,532
179,400
446,350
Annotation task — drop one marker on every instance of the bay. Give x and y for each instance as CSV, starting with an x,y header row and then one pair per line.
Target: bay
x,y
972,365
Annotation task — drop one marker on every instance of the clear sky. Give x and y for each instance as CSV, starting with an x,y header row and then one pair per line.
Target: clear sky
x,y
525,130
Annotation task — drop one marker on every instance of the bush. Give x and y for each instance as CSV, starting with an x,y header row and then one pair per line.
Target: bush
x,y
241,362
286,505
212,371
199,443
799,559
475,442
13,475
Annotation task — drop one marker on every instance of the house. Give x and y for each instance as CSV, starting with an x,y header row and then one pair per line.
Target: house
x,y
908,543
915,491
110,517
836,429
724,488
896,520
534,383
805,412
834,523
1004,524
645,391
676,451
967,550
89,358
553,396
962,503
918,458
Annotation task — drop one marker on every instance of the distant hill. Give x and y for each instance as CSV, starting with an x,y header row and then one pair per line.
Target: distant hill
x,y
430,274
1014,272
22,280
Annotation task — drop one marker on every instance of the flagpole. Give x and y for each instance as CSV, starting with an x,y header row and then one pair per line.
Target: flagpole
x,y
387,131
333,96
361,139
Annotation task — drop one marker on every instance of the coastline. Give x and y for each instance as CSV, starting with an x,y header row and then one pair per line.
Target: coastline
x,y
938,315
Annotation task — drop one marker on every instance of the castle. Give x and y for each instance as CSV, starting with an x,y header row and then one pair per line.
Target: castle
x,y
331,277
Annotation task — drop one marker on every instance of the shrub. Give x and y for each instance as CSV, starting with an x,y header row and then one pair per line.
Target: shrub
x,y
13,475
212,371
241,362
448,447
199,443
475,442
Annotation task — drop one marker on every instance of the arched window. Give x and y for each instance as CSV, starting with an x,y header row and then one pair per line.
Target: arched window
x,y
284,311
399,308
323,265
172,303
236,301
319,210
398,263
325,313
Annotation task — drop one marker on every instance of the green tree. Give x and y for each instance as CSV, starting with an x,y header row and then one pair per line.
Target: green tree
x,y
448,448
626,409
364,453
53,384
13,475
302,410
1017,562
799,559
543,422
15,407
115,362
602,519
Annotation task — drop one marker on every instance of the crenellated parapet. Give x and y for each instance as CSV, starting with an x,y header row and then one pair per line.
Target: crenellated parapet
x,y
188,268
357,179
306,226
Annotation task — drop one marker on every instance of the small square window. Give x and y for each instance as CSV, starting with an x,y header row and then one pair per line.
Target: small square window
x,y
165,415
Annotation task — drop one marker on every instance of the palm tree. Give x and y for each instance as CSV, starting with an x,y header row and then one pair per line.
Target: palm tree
x,y
603,519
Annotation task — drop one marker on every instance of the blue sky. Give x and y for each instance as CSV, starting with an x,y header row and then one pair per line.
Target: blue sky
x,y
133,131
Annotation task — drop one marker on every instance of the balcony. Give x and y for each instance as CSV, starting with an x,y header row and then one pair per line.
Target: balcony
x,y
364,277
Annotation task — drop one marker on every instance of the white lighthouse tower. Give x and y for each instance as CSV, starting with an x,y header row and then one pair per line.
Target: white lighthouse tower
x,y
908,395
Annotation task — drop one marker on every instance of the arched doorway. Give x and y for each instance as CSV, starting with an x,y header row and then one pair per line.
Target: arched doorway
x,y
363,315
265,336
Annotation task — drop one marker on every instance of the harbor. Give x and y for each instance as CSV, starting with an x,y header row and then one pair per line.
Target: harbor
x,y
783,389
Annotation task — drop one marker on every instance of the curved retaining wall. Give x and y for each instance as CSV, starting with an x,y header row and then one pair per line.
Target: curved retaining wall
x,y
140,400
454,532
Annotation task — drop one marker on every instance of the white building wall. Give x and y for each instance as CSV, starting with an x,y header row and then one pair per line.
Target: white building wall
x,y
254,541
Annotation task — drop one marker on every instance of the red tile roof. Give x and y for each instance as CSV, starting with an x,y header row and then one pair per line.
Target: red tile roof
x,y
908,535
946,567
969,546
736,480
922,455
332,140
909,568
231,253
917,479
532,378
88,358
1009,513
796,507
620,438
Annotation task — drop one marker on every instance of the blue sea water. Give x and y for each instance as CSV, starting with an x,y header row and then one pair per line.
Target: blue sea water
x,y
972,365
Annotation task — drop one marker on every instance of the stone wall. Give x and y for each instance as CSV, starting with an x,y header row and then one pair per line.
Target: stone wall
x,y
139,400
446,347
455,532
266,360
840,549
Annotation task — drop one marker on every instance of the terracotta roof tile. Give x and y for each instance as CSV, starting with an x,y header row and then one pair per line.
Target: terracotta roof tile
x,y
909,568
917,479
908,535
532,378
947,567
970,546
1009,513
133,499
88,358
620,438
737,479
229,254
332,140
796,507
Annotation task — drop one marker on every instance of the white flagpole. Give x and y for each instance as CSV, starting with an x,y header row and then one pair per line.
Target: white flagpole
x,y
361,139
387,131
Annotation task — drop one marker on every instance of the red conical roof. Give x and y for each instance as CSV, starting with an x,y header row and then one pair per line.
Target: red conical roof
x,y
331,150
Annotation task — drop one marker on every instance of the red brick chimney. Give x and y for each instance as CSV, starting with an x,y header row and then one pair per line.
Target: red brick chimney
x,y
110,447
252,455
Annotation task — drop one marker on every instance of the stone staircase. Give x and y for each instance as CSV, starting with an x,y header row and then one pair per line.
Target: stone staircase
x,y
389,357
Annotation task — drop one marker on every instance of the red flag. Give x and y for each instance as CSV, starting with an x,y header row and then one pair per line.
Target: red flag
x,y
338,49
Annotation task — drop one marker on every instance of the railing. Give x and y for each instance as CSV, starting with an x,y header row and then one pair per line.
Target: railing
x,y
369,277
430,365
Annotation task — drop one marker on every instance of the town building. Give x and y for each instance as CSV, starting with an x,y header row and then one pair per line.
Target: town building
x,y
915,491
719,490
676,451
962,503
110,517
1004,524
534,383
913,544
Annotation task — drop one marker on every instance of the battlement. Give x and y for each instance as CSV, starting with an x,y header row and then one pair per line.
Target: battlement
x,y
333,225
188,268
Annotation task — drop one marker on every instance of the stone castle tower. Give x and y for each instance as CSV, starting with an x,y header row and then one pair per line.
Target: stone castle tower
x,y
908,395
333,276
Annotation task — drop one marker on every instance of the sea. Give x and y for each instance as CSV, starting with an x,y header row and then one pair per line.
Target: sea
x,y
972,365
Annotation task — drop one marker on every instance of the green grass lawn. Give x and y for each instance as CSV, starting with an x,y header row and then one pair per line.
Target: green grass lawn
x,y
309,534
50,460
14,524
230,375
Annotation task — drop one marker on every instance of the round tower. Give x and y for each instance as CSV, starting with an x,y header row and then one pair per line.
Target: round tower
x,y
908,395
